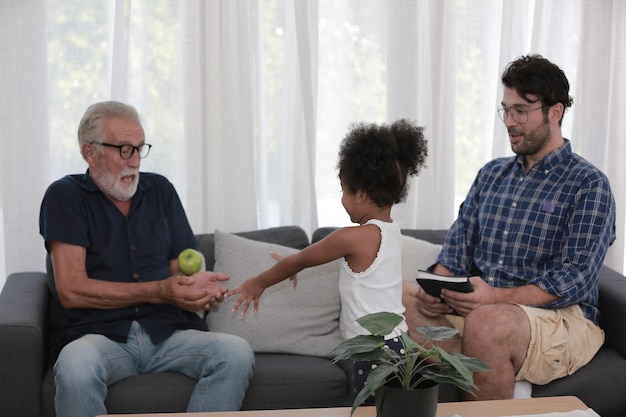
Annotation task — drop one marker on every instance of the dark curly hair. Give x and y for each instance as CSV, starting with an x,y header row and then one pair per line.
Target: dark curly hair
x,y
535,75
377,159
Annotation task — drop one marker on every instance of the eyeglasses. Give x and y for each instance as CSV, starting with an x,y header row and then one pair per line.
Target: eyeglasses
x,y
127,150
519,115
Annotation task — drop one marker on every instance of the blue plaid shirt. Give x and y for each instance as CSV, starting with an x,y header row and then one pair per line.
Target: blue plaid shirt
x,y
550,226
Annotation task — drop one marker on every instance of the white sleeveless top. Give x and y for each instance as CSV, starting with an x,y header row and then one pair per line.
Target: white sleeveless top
x,y
378,288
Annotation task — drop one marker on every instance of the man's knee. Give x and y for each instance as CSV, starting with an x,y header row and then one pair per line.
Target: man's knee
x,y
93,357
494,322
227,352
77,362
237,352
497,330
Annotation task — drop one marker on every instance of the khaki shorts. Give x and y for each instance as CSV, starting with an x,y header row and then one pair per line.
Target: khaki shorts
x,y
561,342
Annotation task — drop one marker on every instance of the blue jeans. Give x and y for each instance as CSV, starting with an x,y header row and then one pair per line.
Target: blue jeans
x,y
222,365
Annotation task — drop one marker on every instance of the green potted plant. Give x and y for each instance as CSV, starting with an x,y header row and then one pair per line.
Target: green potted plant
x,y
417,367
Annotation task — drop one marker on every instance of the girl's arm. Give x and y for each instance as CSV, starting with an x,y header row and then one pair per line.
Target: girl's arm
x,y
338,244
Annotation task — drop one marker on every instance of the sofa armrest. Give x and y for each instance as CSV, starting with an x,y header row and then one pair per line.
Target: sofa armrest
x,y
612,302
23,343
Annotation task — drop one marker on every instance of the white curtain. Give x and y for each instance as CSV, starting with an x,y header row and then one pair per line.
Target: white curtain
x,y
245,102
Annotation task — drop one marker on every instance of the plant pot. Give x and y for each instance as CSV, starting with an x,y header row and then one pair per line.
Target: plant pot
x,y
398,402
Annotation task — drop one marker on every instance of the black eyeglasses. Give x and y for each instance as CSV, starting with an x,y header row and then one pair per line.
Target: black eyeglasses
x,y
520,115
127,150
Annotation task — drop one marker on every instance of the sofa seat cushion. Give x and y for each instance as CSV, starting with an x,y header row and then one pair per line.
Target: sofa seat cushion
x,y
303,321
594,384
297,381
166,392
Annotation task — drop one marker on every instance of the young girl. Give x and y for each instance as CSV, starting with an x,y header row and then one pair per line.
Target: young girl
x,y
374,164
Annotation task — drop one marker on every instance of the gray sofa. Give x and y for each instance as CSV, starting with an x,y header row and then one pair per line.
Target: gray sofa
x,y
30,317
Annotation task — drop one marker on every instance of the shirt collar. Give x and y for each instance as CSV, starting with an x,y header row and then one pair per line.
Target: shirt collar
x,y
87,183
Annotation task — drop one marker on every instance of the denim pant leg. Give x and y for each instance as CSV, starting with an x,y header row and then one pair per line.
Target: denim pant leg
x,y
82,372
221,363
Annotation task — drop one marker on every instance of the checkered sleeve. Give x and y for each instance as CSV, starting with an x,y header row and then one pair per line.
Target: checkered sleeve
x,y
590,230
460,242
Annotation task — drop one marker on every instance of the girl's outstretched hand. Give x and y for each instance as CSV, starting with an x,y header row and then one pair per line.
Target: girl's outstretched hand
x,y
249,292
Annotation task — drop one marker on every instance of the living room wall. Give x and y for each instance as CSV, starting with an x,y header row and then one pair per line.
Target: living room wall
x,y
245,102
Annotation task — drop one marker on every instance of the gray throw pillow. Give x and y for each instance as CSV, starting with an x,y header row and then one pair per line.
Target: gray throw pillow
x,y
304,320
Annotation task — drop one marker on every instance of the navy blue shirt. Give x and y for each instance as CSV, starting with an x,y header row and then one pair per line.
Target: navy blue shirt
x,y
122,249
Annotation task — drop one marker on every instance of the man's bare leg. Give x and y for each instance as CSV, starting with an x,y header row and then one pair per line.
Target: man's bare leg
x,y
415,319
499,335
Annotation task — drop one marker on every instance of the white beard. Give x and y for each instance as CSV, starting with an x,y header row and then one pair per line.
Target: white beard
x,y
115,188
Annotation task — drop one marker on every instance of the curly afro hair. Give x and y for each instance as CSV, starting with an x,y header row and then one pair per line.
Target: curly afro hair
x,y
377,159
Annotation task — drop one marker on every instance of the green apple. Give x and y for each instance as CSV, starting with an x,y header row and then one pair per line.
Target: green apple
x,y
190,261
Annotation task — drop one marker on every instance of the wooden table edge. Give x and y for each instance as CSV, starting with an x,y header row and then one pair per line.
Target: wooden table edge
x,y
493,408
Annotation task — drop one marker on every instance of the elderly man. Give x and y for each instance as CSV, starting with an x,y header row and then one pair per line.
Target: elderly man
x,y
114,235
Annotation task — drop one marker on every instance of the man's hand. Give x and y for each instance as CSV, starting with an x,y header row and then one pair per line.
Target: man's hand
x,y
193,293
463,303
429,306
210,282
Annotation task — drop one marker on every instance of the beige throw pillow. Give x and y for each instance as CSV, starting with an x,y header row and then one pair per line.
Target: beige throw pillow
x,y
304,320
417,254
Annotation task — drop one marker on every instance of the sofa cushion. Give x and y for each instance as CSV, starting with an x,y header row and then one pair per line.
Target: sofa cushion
x,y
302,321
166,392
594,384
291,236
297,381
417,254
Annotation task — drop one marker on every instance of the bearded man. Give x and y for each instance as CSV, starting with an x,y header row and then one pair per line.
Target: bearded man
x,y
532,235
114,235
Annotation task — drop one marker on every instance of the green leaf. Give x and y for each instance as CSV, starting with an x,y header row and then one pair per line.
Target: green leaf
x,y
453,361
363,395
379,376
437,332
354,348
409,344
381,323
373,356
463,364
447,378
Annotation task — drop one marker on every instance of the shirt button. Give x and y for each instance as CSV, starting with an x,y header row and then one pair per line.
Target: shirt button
x,y
136,277
132,248
500,262
514,205
546,171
